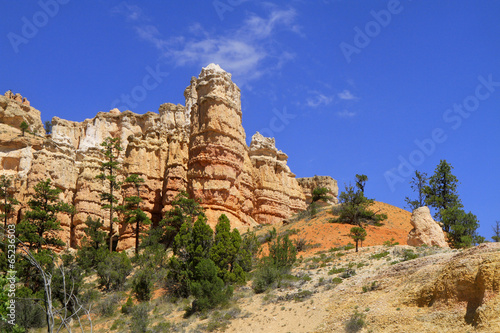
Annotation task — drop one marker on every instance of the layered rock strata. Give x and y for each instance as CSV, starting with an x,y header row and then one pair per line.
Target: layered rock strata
x,y
308,184
199,148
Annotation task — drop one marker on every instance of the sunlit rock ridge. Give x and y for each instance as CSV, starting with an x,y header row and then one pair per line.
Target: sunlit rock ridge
x,y
199,148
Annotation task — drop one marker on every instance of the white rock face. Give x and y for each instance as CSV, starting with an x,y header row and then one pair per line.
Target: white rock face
x,y
425,230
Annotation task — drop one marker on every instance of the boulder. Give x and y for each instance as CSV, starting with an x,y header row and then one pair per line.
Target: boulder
x,y
425,230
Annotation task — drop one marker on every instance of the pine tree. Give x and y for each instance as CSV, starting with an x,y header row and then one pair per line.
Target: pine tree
x,y
38,230
496,230
357,234
93,249
361,182
191,245
40,223
111,150
321,193
226,252
462,227
184,210
354,206
132,211
441,193
417,184
24,126
7,200
48,127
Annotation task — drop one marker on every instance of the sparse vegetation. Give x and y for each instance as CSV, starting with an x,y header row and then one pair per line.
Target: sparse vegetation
x,y
355,323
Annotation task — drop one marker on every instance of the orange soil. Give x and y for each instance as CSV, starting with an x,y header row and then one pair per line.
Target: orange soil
x,y
325,235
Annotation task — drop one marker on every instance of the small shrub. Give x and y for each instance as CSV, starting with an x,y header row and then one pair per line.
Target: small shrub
x,y
265,277
107,306
391,243
373,286
379,255
162,327
355,323
337,280
140,319
113,271
336,270
301,244
349,246
127,307
409,255
142,284
348,273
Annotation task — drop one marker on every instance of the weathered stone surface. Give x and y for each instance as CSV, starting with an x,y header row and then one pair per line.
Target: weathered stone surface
x,y
425,230
14,109
199,148
277,192
308,184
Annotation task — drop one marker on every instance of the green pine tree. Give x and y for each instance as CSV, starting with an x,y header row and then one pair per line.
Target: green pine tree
x,y
109,168
321,193
24,127
354,206
93,249
227,251
441,193
132,212
40,223
8,201
184,210
357,234
462,227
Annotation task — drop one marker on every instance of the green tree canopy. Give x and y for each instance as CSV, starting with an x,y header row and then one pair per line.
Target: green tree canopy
x,y
109,168
357,234
462,227
40,223
24,127
227,252
132,212
321,193
354,206
8,201
441,193
184,210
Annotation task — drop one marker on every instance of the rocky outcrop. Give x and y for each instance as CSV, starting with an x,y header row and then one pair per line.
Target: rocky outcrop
x,y
277,192
470,279
199,148
425,230
14,109
308,184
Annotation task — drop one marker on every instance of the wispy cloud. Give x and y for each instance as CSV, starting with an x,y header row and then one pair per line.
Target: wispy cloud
x,y
346,95
318,99
132,13
346,114
247,52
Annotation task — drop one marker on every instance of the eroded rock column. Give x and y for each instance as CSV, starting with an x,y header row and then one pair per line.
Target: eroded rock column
x,y
217,145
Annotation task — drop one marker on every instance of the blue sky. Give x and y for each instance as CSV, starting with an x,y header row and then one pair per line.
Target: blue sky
x,y
345,87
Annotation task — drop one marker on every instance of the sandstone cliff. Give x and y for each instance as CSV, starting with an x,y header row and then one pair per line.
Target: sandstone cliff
x,y
308,184
199,148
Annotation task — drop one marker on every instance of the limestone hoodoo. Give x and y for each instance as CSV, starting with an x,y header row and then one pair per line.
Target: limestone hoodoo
x,y
217,145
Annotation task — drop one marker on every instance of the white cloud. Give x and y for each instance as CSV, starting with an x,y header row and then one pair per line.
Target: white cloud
x,y
247,52
346,114
346,95
319,100
132,13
